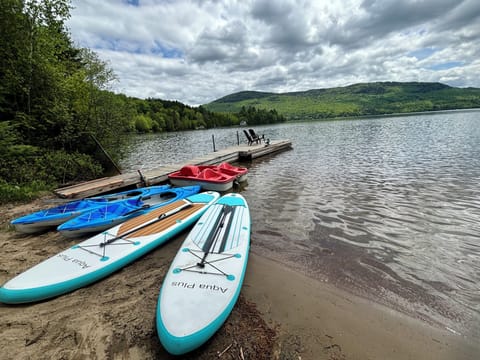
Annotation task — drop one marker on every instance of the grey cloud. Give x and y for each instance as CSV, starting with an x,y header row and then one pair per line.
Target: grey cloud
x,y
197,51
392,15
270,11
382,17
465,14
286,24
271,80
217,44
203,53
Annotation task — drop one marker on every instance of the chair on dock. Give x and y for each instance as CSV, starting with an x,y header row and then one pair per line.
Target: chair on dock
x,y
249,138
252,137
255,137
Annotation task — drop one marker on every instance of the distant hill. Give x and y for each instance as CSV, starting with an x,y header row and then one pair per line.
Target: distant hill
x,y
354,100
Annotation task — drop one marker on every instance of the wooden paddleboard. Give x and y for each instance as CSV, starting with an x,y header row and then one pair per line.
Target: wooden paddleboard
x,y
105,253
205,278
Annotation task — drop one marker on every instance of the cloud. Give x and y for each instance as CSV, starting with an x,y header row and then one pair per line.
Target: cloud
x,y
197,51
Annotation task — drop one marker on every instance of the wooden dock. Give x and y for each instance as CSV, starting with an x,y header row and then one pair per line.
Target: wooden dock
x,y
160,174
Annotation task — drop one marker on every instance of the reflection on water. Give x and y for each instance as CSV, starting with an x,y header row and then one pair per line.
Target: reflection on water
x,y
387,208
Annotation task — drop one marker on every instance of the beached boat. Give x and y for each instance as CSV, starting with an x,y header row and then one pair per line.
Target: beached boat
x,y
209,177
44,219
102,254
205,278
113,213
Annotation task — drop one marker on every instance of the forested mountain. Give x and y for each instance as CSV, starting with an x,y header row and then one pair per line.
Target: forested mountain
x,y
354,100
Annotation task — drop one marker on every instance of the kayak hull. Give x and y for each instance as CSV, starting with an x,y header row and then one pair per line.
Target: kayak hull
x,y
43,220
111,214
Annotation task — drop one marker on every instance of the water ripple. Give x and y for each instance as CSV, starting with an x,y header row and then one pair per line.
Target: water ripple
x,y
388,208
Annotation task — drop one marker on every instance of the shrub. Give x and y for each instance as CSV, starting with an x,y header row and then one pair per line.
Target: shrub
x,y
143,124
27,164
14,193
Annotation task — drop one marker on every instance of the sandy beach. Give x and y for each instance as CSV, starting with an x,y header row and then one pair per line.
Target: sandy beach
x,y
281,314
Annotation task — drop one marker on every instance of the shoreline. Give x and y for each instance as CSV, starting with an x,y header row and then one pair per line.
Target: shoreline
x,y
333,323
281,314
386,115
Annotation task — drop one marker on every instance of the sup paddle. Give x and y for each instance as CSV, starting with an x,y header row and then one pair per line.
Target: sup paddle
x,y
226,209
162,198
159,218
225,234
143,207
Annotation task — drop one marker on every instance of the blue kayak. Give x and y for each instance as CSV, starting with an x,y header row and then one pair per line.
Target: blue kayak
x,y
113,213
44,219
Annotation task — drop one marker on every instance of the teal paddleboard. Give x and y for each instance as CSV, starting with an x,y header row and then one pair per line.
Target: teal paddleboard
x,y
205,278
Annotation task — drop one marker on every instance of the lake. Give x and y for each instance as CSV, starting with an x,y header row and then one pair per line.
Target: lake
x,y
386,208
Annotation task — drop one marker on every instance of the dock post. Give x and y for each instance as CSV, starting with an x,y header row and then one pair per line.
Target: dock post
x,y
213,140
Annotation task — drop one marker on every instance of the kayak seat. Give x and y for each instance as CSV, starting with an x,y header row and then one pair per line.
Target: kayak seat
x,y
226,165
228,172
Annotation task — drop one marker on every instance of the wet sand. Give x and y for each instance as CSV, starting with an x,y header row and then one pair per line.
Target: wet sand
x,y
324,322
281,314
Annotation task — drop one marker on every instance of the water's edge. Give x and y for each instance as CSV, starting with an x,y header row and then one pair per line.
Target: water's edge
x,y
386,208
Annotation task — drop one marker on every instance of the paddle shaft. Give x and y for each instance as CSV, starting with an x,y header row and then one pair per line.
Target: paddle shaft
x,y
143,207
159,218
214,233
147,206
225,234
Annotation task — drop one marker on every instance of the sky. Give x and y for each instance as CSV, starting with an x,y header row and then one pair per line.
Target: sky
x,y
196,51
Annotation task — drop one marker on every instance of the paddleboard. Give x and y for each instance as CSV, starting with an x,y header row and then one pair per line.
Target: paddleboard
x,y
205,278
101,255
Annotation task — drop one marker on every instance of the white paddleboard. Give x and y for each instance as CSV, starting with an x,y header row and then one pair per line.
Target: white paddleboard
x,y
205,278
101,255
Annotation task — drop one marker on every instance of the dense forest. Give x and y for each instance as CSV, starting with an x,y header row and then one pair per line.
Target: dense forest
x,y
57,112
354,100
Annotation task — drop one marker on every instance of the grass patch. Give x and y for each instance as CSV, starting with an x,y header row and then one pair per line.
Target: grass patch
x,y
20,193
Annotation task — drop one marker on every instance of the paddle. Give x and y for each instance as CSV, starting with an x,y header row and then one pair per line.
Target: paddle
x,y
163,197
143,207
225,234
226,209
159,218
213,231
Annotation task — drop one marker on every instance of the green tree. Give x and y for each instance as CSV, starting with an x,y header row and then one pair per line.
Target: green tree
x,y
53,96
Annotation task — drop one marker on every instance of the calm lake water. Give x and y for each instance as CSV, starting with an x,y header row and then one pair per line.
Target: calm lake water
x,y
387,208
